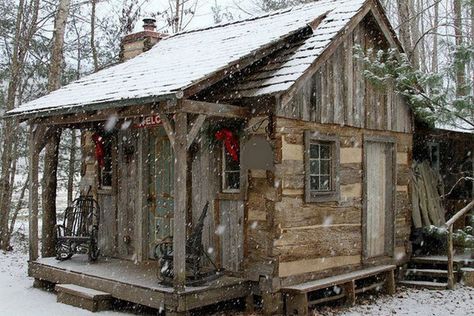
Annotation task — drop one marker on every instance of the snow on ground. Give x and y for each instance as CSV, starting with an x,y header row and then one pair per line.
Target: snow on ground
x,y
419,302
18,297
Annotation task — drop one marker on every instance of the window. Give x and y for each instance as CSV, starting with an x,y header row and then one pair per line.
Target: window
x,y
322,164
230,173
105,167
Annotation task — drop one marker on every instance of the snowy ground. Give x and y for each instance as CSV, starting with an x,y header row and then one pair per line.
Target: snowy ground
x,y
18,297
459,302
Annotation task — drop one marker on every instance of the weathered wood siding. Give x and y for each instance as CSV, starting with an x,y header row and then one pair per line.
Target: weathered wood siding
x,y
318,238
338,93
204,190
127,194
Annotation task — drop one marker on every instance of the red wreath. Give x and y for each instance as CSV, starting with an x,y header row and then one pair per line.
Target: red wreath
x,y
231,142
99,149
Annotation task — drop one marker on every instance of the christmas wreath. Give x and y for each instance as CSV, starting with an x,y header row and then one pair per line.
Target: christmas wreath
x,y
227,134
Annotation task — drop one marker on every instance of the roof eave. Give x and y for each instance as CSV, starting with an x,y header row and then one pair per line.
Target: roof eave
x,y
107,105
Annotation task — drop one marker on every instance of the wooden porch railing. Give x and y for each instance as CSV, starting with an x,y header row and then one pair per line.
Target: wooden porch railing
x,y
449,226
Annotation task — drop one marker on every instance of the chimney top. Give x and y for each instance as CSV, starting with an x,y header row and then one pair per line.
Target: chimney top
x,y
149,24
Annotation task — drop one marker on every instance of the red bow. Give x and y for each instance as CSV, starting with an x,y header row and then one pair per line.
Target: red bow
x,y
231,142
99,149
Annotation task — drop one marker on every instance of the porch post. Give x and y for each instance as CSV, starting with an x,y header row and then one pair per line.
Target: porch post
x,y
180,200
33,193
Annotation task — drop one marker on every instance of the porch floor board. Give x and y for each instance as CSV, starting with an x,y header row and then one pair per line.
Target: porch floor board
x,y
137,283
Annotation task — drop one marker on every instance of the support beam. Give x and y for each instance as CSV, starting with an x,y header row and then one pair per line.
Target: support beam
x,y
180,201
33,194
168,129
213,109
195,129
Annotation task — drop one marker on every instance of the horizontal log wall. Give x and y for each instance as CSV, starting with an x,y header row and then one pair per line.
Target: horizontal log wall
x,y
338,93
320,237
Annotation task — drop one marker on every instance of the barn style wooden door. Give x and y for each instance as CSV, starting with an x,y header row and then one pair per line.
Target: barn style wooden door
x,y
127,145
161,213
379,198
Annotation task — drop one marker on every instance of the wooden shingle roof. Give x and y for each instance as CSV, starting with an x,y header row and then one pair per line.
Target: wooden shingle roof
x,y
189,59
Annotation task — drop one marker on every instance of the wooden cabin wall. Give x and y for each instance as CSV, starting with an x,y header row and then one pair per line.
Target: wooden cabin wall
x,y
127,193
204,190
338,93
259,209
324,238
223,226
316,239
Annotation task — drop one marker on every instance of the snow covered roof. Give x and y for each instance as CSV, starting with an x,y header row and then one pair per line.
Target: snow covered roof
x,y
458,126
186,59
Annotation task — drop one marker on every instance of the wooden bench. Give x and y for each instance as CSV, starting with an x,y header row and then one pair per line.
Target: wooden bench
x,y
82,297
298,300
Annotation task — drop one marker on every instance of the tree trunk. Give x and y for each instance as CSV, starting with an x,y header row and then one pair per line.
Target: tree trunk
x,y
51,154
72,168
25,28
403,7
19,206
95,59
435,57
460,65
176,19
415,33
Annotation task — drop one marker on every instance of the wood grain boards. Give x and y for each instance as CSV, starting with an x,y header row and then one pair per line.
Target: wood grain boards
x,y
338,93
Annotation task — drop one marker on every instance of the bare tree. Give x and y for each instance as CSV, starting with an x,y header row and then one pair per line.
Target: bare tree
x,y
52,147
25,28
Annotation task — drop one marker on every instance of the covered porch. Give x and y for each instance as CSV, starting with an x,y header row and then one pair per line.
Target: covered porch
x,y
136,283
128,219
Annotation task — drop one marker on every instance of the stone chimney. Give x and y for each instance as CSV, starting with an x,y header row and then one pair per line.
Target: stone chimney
x,y
137,43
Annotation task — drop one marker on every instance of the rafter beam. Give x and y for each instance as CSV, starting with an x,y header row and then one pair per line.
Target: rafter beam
x,y
195,130
169,129
214,109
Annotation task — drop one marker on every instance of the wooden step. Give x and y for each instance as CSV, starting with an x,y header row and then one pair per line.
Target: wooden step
x,y
297,296
82,297
427,272
424,284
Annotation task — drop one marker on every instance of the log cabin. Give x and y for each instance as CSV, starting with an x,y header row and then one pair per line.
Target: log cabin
x,y
304,163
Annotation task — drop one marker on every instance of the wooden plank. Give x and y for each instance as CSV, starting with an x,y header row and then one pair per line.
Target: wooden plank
x,y
348,80
169,129
180,201
350,291
297,304
286,269
337,280
33,202
338,88
214,109
451,280
195,129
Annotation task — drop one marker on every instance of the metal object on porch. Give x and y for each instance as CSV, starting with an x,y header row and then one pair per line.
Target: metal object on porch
x,y
79,231
195,275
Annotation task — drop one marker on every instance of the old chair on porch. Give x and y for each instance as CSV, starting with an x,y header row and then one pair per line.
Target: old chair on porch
x,y
79,231
194,255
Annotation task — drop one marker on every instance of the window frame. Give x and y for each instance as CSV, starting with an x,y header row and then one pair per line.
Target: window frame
x,y
313,196
111,141
223,172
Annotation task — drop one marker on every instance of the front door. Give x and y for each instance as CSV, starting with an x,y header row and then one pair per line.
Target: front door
x,y
161,189
379,218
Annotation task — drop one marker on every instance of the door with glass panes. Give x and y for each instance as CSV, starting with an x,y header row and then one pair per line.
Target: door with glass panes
x,y
161,188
